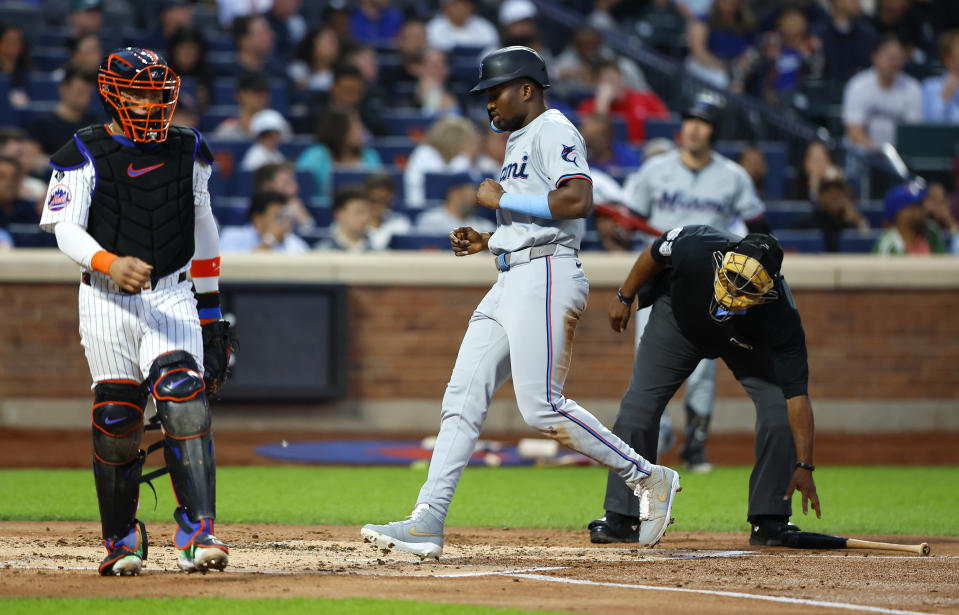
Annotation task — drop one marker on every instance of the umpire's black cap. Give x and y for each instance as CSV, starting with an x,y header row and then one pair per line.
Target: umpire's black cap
x,y
511,63
706,108
765,249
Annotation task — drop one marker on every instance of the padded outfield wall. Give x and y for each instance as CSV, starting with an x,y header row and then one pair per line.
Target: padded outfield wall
x,y
883,339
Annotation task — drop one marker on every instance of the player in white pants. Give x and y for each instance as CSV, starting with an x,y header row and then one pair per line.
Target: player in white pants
x,y
524,325
128,201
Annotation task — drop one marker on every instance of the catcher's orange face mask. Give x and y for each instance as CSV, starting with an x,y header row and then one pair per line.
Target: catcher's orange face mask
x,y
141,93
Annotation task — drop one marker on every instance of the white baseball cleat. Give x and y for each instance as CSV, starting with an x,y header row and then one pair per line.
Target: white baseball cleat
x,y
656,493
420,534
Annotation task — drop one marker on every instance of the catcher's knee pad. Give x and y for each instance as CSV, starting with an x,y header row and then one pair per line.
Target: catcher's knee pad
x,y
117,431
180,396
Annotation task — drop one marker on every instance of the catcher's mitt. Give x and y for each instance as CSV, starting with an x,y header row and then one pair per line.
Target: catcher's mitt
x,y
219,342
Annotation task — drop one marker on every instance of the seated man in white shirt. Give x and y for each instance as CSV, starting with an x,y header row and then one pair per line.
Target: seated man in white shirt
x,y
352,219
269,229
940,94
457,25
458,209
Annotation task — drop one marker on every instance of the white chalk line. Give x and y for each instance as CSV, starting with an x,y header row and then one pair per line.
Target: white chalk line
x,y
724,594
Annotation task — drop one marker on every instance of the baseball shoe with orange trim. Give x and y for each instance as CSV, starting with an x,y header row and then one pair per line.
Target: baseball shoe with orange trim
x,y
198,549
125,556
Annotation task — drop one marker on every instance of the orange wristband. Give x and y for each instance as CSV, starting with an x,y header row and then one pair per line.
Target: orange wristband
x,y
102,260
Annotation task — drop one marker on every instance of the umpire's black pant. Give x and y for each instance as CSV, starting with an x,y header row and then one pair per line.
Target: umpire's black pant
x,y
664,359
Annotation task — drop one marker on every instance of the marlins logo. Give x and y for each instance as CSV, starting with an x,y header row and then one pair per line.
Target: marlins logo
x,y
60,197
569,154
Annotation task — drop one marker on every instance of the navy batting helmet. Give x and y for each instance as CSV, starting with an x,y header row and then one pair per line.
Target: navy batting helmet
x,y
706,108
139,91
511,63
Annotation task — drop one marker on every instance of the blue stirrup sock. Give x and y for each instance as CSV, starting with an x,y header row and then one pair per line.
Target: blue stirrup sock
x,y
536,205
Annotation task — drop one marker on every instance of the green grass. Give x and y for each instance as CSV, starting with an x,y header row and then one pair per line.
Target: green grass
x,y
871,500
292,606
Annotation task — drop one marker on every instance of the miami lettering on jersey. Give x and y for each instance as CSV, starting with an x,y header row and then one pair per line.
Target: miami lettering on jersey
x,y
513,170
673,201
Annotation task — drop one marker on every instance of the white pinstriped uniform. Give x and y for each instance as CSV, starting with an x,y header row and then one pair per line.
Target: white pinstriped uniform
x,y
122,334
524,325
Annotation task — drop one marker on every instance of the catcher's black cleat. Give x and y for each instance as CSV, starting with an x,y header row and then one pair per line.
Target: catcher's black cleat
x,y
770,531
614,528
125,557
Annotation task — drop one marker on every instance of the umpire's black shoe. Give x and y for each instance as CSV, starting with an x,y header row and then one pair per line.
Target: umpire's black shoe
x,y
769,531
614,528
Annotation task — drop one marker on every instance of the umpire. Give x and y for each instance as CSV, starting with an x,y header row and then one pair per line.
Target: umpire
x,y
714,295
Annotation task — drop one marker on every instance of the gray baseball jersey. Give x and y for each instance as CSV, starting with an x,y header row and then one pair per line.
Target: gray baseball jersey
x,y
539,157
669,194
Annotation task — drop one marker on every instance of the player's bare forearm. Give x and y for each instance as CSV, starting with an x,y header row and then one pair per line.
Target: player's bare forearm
x,y
643,271
803,427
572,200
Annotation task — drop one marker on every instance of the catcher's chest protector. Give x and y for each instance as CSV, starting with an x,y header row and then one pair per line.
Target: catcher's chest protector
x,y
143,203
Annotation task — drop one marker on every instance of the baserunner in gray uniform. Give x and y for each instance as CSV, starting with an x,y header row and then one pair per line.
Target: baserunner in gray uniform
x,y
524,325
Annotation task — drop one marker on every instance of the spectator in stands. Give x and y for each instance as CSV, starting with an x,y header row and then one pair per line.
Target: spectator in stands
x,y
848,41
457,25
229,10
85,17
954,199
410,46
492,153
573,71
517,21
349,91
432,94
254,40
172,15
605,152
187,53
15,64
770,11
384,221
187,112
340,143
879,98
833,210
364,57
270,228
270,129
753,161
86,52
16,143
13,209
615,98
451,146
902,19
351,221
375,21
940,95
252,95
910,231
722,45
816,160
315,57
458,209
660,25
54,128
288,25
785,57
281,177
937,206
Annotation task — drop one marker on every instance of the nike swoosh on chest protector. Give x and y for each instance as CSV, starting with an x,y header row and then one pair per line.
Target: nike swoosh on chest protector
x,y
138,172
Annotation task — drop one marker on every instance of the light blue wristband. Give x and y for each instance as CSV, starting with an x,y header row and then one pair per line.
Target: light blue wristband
x,y
536,205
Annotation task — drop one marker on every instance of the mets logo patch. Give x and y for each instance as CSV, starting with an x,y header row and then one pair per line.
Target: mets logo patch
x,y
60,197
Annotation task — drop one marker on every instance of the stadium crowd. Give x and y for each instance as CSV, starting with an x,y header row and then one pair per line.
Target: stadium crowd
x,y
345,125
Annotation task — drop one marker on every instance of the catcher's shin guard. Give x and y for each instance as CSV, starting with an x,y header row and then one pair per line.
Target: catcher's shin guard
x,y
180,396
117,431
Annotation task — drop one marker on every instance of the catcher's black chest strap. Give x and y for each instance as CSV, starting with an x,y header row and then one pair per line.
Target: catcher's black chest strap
x,y
153,425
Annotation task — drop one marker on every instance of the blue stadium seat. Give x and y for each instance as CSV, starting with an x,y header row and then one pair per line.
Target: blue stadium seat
x,y
231,211
852,240
212,117
873,212
436,184
30,236
666,129
323,216
295,147
393,150
42,87
406,122
49,58
776,162
419,242
785,214
224,90
804,242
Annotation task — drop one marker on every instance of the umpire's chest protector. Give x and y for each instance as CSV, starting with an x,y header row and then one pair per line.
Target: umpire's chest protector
x,y
143,203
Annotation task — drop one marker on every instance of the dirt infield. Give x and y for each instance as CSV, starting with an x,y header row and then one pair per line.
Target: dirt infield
x,y
542,569
500,567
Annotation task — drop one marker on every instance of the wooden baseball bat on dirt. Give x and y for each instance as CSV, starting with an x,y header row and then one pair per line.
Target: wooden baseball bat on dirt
x,y
811,540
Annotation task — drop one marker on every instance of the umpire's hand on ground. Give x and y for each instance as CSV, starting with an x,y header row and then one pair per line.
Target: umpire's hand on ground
x,y
130,273
803,482
467,240
489,194
619,314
